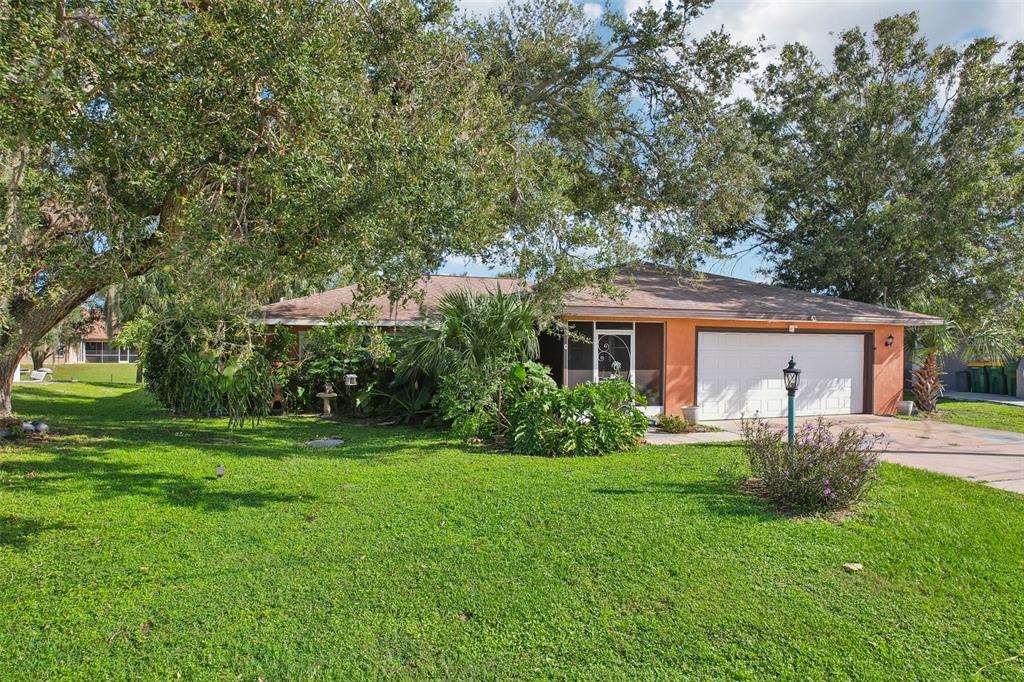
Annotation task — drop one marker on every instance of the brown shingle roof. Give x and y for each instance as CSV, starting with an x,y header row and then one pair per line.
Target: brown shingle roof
x,y
654,293
97,331
312,309
648,293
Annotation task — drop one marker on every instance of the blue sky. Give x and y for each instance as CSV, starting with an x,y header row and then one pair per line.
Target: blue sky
x,y
814,23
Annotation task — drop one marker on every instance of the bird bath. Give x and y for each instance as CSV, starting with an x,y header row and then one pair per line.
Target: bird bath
x,y
327,395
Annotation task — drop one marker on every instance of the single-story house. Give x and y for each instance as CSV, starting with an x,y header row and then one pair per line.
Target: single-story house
x,y
94,346
713,341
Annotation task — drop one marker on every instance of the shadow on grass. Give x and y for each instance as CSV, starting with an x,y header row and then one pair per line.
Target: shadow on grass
x,y
90,430
133,419
111,479
719,497
15,532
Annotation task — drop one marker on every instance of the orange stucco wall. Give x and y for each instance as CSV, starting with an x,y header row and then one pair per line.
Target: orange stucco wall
x,y
681,358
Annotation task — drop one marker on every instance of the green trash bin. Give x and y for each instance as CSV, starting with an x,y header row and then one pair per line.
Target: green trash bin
x,y
996,380
979,379
963,381
1010,370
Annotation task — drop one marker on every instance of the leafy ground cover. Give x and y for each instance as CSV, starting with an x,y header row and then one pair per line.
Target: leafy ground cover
x,y
977,413
403,555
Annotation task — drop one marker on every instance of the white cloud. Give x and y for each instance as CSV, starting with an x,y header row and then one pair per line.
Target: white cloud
x,y
592,10
480,7
817,23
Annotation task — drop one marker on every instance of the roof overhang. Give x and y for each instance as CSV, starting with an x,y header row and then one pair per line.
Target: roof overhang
x,y
321,322
746,316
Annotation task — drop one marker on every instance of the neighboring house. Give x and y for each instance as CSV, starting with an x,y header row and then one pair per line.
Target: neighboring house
x,y
94,346
714,341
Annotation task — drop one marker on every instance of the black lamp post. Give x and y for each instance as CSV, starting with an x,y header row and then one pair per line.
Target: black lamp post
x,y
791,375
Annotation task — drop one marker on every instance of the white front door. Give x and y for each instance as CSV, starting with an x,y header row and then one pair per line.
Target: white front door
x,y
740,374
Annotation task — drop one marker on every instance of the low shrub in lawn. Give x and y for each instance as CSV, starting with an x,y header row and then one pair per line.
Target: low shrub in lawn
x,y
827,468
673,423
590,419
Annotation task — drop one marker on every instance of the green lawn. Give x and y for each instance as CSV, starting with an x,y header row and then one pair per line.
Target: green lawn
x,y
977,413
95,372
402,555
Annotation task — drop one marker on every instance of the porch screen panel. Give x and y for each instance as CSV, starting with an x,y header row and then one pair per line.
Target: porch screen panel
x,y
98,351
581,354
650,361
552,354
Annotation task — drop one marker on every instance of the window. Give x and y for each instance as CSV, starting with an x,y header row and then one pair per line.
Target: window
x,y
101,351
634,351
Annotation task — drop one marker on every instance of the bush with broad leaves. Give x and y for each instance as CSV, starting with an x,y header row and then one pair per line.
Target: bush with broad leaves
x,y
590,419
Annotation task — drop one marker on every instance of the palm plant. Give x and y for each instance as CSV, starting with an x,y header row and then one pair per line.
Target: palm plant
x,y
987,339
472,331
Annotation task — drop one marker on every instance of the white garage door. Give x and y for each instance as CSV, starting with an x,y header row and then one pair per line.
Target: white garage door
x,y
740,374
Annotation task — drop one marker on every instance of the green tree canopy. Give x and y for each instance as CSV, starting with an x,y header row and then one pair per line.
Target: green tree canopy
x,y
896,174
626,147
247,143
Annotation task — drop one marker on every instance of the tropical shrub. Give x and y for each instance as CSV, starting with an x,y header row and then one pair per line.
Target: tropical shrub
x,y
673,423
993,338
590,419
827,468
474,350
478,404
399,399
472,331
344,346
200,367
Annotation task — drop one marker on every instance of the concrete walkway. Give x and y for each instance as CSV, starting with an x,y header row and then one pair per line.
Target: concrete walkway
x,y
985,455
656,437
993,457
985,398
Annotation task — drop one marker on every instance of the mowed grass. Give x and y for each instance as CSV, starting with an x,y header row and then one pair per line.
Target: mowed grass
x,y
977,413
984,415
402,555
93,372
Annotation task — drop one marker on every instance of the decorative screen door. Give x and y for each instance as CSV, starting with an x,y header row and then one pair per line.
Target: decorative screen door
x,y
613,355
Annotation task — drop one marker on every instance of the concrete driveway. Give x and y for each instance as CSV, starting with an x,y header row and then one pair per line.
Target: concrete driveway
x,y
986,455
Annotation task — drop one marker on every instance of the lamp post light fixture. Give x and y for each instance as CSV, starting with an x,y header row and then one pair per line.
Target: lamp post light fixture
x,y
890,340
791,375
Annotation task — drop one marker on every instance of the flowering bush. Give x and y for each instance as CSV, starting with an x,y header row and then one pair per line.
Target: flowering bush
x,y
827,468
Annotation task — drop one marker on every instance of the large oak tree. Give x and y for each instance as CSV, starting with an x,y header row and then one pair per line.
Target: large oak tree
x,y
240,143
896,175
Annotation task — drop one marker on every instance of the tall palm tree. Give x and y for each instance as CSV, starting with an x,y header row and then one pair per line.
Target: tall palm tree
x,y
989,339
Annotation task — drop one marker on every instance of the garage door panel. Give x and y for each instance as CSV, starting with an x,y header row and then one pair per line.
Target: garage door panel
x,y
740,373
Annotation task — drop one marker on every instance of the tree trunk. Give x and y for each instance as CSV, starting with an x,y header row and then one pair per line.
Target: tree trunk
x,y
38,358
928,383
8,365
138,372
